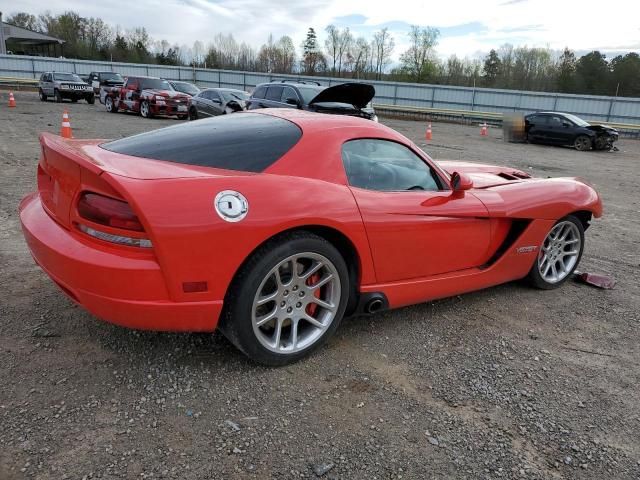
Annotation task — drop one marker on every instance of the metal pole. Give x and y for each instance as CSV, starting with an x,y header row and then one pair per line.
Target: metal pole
x,y
473,95
3,45
611,102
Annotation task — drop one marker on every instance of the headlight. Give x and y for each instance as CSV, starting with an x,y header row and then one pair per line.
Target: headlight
x,y
64,87
375,118
160,98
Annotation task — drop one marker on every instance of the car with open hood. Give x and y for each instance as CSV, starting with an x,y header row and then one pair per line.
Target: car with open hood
x,y
351,98
273,225
555,128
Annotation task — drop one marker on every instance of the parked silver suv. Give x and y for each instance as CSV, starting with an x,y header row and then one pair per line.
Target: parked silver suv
x,y
64,85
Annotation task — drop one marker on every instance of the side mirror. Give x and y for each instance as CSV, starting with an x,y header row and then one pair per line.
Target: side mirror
x,y
461,182
292,101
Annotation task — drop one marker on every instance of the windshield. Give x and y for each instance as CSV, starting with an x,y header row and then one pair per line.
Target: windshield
x,y
116,77
155,84
66,77
185,87
308,93
234,95
577,120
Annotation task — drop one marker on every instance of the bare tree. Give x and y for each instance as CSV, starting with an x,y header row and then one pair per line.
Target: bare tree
x,y
382,45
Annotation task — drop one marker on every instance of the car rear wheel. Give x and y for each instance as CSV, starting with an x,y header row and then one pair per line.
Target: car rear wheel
x,y
582,143
110,105
145,109
287,300
43,97
559,254
57,95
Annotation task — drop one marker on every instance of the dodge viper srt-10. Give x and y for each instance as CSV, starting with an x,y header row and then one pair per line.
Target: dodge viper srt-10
x,y
274,225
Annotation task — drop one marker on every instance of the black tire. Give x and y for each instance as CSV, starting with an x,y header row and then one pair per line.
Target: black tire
x,y
193,113
110,105
43,97
91,99
236,322
582,143
183,117
536,279
57,95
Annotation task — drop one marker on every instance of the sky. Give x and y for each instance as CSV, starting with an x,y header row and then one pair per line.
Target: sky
x,y
467,28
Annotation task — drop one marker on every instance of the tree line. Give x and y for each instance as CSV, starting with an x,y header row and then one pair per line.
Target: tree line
x,y
344,55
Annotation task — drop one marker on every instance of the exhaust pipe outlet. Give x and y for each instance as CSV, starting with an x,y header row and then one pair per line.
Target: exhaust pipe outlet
x,y
374,305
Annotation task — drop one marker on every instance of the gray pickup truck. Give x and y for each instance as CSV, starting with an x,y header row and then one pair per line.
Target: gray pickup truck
x,y
60,85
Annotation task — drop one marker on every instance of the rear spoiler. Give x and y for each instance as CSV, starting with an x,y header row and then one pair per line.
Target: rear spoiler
x,y
71,149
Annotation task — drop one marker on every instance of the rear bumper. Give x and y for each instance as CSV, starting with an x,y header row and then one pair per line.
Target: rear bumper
x,y
120,289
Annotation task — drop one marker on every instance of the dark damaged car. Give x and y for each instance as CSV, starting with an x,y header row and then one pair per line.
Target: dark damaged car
x,y
148,96
556,128
352,98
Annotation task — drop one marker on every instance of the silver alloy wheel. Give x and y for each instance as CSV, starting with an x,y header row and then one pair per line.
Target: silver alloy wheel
x,y
296,303
144,109
108,103
559,252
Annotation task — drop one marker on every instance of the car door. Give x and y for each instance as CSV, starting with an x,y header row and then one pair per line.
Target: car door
x,y
537,127
273,96
417,227
256,99
48,84
215,103
556,129
289,98
199,101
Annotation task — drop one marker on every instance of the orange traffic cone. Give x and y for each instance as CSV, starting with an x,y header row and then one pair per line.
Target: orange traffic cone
x,y
12,101
428,134
484,131
65,129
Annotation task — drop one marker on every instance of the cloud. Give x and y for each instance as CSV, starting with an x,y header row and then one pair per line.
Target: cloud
x,y
467,26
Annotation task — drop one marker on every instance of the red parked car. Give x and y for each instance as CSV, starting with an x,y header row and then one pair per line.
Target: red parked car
x,y
147,96
274,225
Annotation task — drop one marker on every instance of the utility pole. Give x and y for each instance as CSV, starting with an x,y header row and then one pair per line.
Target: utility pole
x,y
3,45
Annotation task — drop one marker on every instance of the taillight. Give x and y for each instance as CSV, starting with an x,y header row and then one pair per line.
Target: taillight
x,y
108,211
113,213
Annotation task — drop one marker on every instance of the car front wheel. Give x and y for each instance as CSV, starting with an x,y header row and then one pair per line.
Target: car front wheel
x,y
559,254
145,109
110,105
287,300
582,143
43,97
57,95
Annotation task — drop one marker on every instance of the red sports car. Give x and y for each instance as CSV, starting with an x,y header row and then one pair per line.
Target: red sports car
x,y
274,225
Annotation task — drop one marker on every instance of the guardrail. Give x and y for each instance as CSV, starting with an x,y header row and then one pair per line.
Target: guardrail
x,y
18,83
470,116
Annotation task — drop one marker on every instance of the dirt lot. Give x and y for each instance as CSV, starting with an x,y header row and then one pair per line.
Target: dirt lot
x,y
508,382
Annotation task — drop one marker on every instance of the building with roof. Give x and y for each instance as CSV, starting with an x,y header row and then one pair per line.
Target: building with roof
x,y
22,41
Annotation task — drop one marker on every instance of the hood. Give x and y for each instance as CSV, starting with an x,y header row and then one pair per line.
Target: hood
x,y
484,175
168,93
602,128
356,94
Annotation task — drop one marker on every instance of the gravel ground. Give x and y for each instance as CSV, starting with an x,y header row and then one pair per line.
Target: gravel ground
x,y
508,382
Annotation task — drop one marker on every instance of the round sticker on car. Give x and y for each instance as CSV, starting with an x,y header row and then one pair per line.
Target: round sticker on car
x,y
232,206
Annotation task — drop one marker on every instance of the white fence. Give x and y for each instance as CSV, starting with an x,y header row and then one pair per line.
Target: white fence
x,y
601,108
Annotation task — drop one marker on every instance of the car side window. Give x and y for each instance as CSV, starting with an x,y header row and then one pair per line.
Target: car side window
x,y
555,121
386,166
214,96
288,94
274,93
259,92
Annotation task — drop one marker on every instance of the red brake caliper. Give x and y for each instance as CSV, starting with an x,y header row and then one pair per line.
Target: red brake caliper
x,y
312,307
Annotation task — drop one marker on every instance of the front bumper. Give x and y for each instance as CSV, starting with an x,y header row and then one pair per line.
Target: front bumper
x,y
121,289
169,109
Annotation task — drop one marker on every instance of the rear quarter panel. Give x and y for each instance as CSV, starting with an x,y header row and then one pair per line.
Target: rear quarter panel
x,y
192,243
